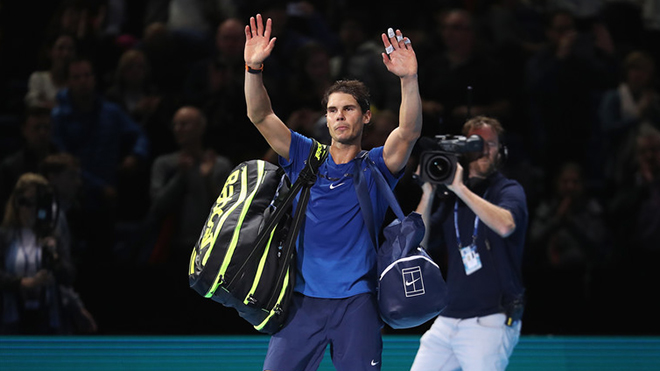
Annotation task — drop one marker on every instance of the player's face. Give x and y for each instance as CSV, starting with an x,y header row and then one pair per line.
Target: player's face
x,y
345,118
487,163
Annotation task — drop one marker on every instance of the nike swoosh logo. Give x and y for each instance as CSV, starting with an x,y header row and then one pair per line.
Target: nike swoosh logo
x,y
411,282
333,186
374,363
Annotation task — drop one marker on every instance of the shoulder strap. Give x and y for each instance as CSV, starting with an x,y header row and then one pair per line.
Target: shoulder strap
x,y
306,179
317,154
364,199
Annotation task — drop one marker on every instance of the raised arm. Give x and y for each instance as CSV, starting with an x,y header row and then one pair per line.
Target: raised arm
x,y
400,59
258,46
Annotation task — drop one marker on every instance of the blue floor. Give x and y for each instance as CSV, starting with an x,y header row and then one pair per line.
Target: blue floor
x,y
233,353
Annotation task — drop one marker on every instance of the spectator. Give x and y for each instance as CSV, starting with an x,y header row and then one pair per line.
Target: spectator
x,y
44,85
568,238
84,21
635,219
563,82
311,77
33,264
184,186
215,84
36,132
134,90
223,68
457,65
167,56
621,111
109,144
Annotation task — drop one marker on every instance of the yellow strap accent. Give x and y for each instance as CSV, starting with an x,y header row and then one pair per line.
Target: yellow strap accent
x,y
260,269
279,299
208,240
237,229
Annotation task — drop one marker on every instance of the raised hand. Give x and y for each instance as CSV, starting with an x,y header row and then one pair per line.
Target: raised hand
x,y
258,44
399,56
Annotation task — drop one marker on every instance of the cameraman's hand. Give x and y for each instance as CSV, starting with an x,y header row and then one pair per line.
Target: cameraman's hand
x,y
457,184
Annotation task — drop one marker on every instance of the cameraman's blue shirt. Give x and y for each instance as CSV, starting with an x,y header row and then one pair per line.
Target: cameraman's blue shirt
x,y
498,281
335,256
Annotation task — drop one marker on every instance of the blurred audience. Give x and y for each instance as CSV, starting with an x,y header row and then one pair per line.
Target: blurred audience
x,y
215,84
36,272
37,144
568,236
635,220
621,111
184,187
459,80
44,85
564,81
185,183
132,88
111,147
135,91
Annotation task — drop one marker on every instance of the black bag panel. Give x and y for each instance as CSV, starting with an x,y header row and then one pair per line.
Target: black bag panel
x,y
255,230
239,208
265,319
258,279
280,308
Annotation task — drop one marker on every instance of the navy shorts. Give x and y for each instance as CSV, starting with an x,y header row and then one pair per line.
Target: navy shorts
x,y
352,327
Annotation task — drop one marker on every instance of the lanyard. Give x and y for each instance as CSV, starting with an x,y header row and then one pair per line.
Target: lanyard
x,y
458,235
476,224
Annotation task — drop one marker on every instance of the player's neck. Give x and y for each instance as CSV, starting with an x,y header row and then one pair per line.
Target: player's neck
x,y
343,153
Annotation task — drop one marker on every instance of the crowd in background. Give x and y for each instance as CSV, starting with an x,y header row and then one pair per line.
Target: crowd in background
x,y
132,113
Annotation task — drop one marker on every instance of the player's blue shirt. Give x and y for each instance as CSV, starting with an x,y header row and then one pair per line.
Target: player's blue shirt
x,y
335,255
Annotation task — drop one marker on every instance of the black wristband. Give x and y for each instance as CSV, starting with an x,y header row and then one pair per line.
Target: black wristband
x,y
254,70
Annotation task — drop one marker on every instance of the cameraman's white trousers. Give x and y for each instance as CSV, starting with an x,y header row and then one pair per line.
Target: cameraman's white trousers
x,y
472,344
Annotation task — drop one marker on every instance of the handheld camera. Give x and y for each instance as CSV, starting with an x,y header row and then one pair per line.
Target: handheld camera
x,y
440,155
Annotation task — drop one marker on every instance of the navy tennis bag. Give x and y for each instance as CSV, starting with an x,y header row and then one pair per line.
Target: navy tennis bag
x,y
411,289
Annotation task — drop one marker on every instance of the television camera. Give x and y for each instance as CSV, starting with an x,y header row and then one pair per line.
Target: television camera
x,y
439,156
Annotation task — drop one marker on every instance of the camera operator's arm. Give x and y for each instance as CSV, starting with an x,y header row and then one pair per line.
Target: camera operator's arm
x,y
258,46
402,62
424,208
496,218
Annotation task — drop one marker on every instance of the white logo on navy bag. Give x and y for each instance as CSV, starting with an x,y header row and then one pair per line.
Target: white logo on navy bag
x,y
413,284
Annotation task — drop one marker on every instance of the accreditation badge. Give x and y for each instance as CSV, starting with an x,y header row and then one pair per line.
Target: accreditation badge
x,y
471,259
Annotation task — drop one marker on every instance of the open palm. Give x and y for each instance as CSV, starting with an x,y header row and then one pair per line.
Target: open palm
x,y
402,61
258,44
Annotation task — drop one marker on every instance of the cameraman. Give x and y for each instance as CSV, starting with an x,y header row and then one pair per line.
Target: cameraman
x,y
32,264
480,226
